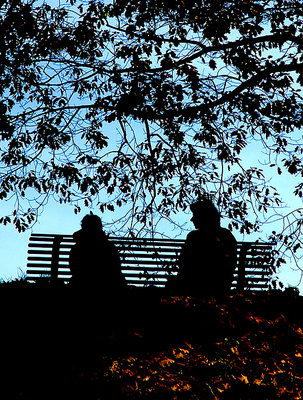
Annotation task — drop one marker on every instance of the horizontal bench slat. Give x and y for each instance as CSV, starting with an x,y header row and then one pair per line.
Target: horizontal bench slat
x,y
41,249
120,239
145,253
133,263
252,270
32,269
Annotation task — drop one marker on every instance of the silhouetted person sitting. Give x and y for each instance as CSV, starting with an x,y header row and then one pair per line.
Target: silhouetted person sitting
x,y
208,258
94,261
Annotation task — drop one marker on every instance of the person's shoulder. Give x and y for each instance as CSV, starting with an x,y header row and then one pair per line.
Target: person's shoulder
x,y
77,235
192,234
226,233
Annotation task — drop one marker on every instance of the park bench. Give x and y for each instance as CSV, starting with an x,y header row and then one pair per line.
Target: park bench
x,y
145,262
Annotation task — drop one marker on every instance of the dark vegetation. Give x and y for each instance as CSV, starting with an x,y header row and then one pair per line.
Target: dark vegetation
x,y
144,344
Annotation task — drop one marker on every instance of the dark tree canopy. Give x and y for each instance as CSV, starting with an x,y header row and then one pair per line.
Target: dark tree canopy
x,y
146,105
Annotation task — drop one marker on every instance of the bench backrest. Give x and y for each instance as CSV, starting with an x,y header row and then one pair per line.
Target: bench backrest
x,y
145,262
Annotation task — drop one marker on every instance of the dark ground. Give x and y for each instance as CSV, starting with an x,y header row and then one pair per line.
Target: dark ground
x,y
50,337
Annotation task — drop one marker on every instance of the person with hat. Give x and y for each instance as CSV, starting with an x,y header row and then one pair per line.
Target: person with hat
x,y
208,258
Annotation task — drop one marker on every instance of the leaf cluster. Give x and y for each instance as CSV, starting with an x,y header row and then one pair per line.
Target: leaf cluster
x,y
254,349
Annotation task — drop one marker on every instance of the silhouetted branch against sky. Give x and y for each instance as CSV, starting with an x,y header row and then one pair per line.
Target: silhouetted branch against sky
x,y
142,106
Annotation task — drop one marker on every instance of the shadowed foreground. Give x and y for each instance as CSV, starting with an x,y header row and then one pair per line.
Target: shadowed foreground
x,y
56,345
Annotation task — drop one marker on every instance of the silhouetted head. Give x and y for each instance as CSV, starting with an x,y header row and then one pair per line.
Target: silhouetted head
x,y
205,214
91,223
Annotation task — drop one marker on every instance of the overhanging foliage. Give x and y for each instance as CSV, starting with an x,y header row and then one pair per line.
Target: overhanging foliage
x,y
145,105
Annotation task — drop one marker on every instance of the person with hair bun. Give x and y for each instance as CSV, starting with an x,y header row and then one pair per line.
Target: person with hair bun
x,y
208,258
